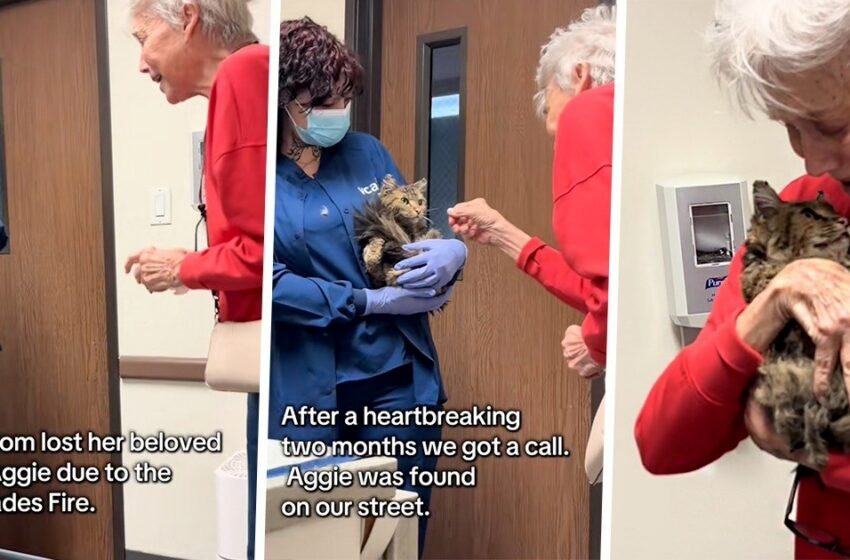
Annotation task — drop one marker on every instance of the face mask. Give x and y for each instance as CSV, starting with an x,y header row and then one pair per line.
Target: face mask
x,y
325,127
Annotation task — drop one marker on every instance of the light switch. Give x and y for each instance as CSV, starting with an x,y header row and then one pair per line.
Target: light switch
x,y
160,206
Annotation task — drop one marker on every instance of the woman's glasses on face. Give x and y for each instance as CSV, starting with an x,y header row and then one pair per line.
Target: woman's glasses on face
x,y
812,535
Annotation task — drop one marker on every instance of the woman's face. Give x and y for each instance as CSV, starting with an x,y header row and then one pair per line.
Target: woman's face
x,y
166,57
556,100
558,97
821,137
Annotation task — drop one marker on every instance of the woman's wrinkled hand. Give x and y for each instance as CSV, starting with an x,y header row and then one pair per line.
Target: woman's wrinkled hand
x,y
476,220
763,434
816,294
157,269
577,356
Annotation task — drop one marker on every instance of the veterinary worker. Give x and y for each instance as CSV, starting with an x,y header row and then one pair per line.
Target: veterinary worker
x,y
337,343
788,59
207,48
576,99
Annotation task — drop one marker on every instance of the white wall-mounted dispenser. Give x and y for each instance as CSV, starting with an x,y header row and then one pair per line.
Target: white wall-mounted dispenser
x,y
197,166
703,222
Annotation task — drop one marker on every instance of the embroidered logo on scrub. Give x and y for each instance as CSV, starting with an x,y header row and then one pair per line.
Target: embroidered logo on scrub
x,y
324,212
369,189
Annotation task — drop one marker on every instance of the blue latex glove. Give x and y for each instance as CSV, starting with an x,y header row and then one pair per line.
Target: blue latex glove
x,y
393,300
436,266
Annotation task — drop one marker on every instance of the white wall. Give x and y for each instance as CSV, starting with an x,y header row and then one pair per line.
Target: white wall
x,y
151,147
676,120
326,12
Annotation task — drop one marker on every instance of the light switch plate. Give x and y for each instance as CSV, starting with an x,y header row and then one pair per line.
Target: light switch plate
x,y
197,166
160,206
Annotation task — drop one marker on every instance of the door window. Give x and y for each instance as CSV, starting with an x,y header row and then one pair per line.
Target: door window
x,y
440,121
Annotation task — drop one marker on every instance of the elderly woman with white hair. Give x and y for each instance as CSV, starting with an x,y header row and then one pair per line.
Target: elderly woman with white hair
x,y
207,48
791,60
576,99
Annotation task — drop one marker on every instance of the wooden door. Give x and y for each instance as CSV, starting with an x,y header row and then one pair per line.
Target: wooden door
x,y
58,363
499,340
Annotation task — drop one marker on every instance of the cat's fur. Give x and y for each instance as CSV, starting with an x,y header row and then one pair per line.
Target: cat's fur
x,y
394,218
782,232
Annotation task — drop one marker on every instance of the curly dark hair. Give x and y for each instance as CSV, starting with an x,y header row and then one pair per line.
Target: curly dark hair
x,y
313,59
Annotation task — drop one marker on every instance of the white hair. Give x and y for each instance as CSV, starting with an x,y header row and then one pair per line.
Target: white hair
x,y
590,39
226,22
755,44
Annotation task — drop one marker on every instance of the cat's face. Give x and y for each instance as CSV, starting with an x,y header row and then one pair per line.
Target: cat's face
x,y
793,230
407,201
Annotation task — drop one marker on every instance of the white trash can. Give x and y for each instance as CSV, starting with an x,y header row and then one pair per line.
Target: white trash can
x,y
231,495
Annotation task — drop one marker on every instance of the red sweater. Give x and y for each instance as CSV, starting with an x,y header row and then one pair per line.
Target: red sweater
x,y
694,412
581,216
234,186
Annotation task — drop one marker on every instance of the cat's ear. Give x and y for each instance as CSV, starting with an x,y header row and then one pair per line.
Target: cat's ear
x,y
421,186
765,199
821,197
389,185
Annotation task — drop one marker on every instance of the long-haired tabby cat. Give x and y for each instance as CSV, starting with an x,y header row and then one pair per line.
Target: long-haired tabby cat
x,y
394,218
782,232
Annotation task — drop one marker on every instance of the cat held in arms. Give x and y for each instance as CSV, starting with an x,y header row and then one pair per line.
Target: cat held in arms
x,y
780,233
388,222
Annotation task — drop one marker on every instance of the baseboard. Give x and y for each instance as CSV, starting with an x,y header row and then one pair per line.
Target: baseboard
x,y
133,555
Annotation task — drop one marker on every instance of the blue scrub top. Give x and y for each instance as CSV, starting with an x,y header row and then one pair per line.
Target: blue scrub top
x,y
364,348
319,338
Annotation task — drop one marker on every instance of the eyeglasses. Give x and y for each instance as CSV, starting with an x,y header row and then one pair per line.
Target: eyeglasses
x,y
813,536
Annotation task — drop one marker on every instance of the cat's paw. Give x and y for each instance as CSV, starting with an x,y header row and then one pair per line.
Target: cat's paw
x,y
373,252
393,275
